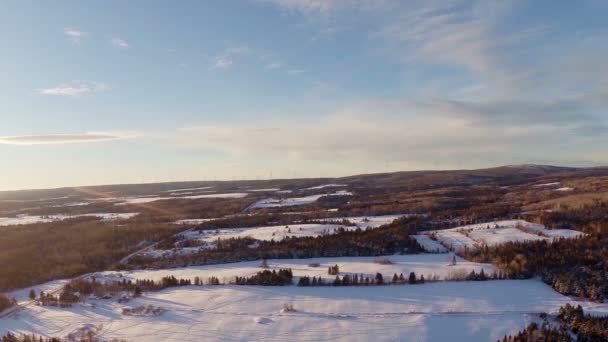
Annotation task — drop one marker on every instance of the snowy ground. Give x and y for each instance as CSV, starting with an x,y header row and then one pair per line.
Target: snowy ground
x,y
27,219
429,265
318,187
193,221
188,189
267,233
454,311
141,199
207,238
492,233
366,221
287,202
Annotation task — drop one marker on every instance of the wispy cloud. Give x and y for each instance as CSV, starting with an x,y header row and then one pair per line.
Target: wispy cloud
x,y
75,35
72,90
296,71
426,132
223,62
119,43
54,139
274,65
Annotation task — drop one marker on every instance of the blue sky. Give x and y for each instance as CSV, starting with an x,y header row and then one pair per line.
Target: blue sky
x,y
140,91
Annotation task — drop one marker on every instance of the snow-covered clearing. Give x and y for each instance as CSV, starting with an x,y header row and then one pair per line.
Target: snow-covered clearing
x,y
366,221
494,233
436,266
318,187
546,185
188,189
193,221
454,311
429,244
141,200
207,238
287,202
265,190
27,219
284,191
564,189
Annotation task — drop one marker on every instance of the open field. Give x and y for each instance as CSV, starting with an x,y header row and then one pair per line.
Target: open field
x,y
459,311
495,233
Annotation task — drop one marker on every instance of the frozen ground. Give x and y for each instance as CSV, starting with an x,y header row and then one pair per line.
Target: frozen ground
x,y
492,233
193,221
454,311
318,187
287,202
546,185
208,237
366,221
140,200
267,233
26,219
188,189
429,265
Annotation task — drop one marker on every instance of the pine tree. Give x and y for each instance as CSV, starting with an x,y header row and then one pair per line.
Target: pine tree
x,y
32,294
412,278
395,278
379,279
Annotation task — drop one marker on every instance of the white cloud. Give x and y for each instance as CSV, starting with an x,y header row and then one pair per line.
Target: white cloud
x,y
54,139
274,65
223,62
119,43
75,35
296,71
72,90
405,132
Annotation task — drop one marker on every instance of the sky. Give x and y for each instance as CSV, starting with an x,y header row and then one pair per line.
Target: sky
x,y
113,91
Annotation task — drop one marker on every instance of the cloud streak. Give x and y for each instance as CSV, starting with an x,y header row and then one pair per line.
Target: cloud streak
x,y
75,35
119,43
72,90
60,139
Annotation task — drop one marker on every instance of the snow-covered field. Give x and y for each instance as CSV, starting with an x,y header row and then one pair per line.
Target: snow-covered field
x,y
267,233
188,189
193,221
141,199
207,238
366,221
436,266
287,202
493,233
27,219
318,187
454,311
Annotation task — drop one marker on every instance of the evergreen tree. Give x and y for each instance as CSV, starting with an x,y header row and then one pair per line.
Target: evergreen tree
x,y
412,278
379,279
32,294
